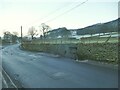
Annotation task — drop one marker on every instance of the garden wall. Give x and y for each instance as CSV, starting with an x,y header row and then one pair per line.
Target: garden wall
x,y
105,52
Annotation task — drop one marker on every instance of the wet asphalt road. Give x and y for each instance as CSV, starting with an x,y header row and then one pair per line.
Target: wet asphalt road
x,y
39,70
5,80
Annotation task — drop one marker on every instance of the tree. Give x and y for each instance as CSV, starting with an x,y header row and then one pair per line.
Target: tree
x,y
10,38
15,37
64,32
7,37
44,29
41,36
6,32
15,33
32,32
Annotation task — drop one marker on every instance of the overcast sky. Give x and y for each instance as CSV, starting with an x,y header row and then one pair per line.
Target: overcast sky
x,y
14,13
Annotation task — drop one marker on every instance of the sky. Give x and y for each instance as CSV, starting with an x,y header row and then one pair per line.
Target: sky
x,y
14,13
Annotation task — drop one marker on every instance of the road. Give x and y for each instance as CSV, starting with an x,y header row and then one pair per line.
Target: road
x,y
5,80
40,70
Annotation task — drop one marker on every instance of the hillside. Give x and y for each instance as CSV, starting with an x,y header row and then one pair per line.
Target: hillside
x,y
111,26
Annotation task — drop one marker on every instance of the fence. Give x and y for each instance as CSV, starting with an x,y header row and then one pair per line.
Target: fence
x,y
111,37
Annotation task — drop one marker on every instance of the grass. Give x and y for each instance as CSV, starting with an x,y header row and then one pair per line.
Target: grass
x,y
76,41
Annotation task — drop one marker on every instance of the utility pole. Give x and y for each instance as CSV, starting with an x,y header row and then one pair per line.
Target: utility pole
x,y
21,34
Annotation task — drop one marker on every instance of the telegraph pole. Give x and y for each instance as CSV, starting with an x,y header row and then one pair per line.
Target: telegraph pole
x,y
21,34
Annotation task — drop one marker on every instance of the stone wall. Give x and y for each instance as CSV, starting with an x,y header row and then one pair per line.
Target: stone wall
x,y
105,52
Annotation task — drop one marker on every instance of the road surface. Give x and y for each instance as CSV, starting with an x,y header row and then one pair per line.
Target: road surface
x,y
40,70
5,80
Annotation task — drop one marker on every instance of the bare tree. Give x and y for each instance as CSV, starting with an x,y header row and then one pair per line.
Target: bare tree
x,y
32,32
6,32
15,33
44,29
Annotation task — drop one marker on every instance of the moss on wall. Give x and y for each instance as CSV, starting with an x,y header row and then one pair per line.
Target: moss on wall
x,y
105,52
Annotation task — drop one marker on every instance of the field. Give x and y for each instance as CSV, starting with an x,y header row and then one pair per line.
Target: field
x,y
76,41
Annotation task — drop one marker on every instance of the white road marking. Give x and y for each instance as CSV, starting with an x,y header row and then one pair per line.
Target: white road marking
x,y
6,85
10,80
